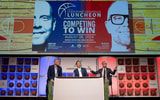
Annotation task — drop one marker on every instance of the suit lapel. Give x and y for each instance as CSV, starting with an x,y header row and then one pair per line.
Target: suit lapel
x,y
82,71
77,72
53,70
101,72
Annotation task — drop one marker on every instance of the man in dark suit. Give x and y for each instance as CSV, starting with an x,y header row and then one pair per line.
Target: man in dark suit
x,y
105,72
79,71
53,71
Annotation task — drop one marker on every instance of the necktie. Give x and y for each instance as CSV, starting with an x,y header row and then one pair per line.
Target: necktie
x,y
104,75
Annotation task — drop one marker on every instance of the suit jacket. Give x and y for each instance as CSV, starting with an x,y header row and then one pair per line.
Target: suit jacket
x,y
83,70
108,71
51,75
51,72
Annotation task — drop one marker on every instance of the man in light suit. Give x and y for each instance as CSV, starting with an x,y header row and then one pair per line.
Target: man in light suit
x,y
79,71
107,71
53,71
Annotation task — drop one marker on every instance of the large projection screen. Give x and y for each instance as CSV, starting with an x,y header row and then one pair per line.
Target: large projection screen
x,y
78,89
81,27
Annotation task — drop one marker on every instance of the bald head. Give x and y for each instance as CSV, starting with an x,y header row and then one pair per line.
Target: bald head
x,y
104,64
117,26
42,7
44,23
118,8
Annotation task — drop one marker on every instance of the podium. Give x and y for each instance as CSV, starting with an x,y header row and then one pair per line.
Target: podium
x,y
79,88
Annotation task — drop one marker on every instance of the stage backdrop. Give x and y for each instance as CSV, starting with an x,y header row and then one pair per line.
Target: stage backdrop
x,y
26,76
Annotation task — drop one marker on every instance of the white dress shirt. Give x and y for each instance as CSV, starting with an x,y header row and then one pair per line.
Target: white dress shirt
x,y
55,69
80,72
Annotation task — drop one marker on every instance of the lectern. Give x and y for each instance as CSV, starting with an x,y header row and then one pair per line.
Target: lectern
x,y
79,88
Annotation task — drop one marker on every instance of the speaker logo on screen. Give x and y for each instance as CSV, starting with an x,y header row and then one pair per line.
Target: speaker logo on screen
x,y
63,8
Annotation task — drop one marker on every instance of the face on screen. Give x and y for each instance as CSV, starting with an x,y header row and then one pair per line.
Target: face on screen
x,y
117,24
43,23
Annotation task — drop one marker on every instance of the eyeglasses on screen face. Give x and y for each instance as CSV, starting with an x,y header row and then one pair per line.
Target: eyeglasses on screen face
x,y
118,19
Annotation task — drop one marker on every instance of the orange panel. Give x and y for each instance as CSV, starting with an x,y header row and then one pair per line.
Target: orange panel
x,y
139,26
23,26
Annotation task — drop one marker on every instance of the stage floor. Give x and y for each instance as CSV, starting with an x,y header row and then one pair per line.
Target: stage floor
x,y
110,98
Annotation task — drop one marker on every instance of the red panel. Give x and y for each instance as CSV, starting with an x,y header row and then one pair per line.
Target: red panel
x,y
156,38
137,92
112,64
122,84
101,32
23,26
129,92
121,76
158,65
121,61
122,92
152,76
158,70
153,92
2,38
91,75
159,83
137,84
137,76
